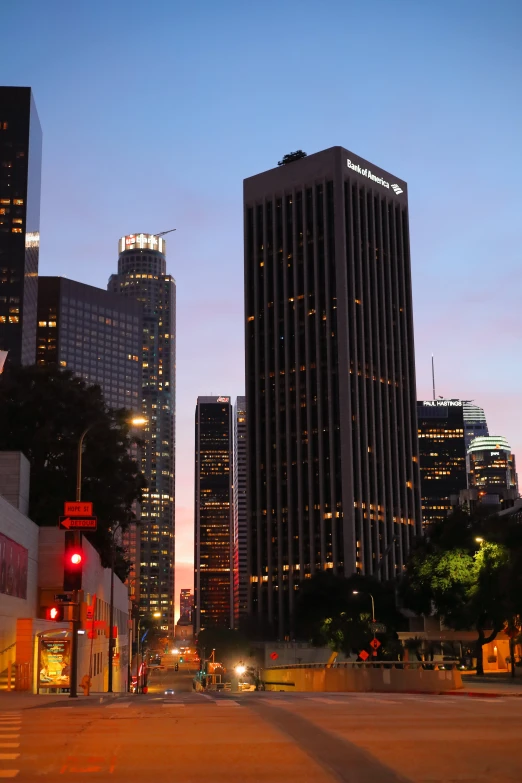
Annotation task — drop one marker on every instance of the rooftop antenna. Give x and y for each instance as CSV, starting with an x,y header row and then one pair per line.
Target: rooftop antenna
x,y
433,374
162,234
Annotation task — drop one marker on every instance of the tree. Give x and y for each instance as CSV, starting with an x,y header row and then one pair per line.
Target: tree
x,y
465,583
291,156
44,412
328,612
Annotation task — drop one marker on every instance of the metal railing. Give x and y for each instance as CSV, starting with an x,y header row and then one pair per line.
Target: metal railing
x,y
7,648
426,665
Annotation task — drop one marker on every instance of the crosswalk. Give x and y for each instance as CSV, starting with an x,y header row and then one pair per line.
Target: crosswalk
x,y
10,729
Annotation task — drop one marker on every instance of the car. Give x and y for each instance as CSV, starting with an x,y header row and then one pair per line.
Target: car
x,y
169,692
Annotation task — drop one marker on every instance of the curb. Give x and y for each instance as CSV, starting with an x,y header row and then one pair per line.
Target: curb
x,y
483,695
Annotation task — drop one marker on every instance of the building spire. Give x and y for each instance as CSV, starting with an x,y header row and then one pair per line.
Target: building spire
x,y
433,374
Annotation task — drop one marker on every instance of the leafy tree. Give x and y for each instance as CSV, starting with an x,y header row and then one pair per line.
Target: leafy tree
x,y
44,412
465,583
291,156
328,612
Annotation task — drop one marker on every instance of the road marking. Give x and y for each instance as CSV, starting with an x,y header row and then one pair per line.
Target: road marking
x,y
8,736
8,756
173,704
230,702
9,773
120,705
9,744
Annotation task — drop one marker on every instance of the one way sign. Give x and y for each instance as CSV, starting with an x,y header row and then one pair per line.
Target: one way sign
x,y
78,523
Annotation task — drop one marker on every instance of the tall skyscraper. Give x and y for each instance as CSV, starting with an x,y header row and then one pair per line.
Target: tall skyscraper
x,y
142,276
475,424
333,474
20,177
98,336
213,515
95,334
240,510
442,456
186,604
493,473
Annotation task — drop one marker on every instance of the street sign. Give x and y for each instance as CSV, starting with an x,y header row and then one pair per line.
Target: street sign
x,y
378,628
364,655
375,643
63,597
274,656
77,508
78,523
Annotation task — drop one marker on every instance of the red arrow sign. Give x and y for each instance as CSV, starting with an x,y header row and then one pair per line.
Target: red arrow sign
x,y
78,523
375,643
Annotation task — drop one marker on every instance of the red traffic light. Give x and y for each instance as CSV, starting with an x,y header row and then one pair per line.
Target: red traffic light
x,y
76,558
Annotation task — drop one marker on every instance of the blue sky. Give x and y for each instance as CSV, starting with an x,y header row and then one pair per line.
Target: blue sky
x,y
154,112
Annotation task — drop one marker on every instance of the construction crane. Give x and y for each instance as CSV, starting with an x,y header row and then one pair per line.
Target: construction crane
x,y
164,232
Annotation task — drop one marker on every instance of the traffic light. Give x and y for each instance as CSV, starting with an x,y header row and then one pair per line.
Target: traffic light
x,y
54,612
176,667
73,563
181,660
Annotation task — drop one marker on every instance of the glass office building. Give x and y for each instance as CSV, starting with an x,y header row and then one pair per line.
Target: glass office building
x,y
20,178
213,515
333,475
240,510
142,277
442,456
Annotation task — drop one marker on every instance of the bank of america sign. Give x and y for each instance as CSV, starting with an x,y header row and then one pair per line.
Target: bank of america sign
x,y
374,178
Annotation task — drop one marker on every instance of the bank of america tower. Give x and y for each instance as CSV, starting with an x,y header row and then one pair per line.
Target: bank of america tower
x,y
333,475
142,275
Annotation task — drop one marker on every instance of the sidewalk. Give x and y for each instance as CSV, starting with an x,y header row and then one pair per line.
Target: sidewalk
x,y
16,700
489,685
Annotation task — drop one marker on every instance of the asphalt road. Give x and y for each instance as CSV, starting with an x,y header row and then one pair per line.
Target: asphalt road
x,y
265,737
159,680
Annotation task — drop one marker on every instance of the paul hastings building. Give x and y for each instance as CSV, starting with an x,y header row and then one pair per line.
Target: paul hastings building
x,y
333,474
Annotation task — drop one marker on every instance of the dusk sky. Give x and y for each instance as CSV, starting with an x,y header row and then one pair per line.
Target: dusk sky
x,y
154,112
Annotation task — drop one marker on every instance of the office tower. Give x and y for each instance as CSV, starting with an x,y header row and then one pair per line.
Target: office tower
x,y
20,176
333,475
442,456
492,471
240,510
95,334
142,276
213,515
186,604
475,424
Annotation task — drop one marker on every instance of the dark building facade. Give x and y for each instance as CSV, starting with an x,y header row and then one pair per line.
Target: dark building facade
x,y
213,515
94,334
142,277
20,178
98,337
442,456
186,605
240,510
333,479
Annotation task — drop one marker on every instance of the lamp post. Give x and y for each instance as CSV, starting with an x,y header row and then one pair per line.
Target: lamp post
x,y
136,421
356,592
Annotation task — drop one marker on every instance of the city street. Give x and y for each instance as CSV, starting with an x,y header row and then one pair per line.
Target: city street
x,y
272,737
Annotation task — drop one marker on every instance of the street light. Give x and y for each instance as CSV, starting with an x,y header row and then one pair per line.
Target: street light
x,y
356,592
479,539
139,657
